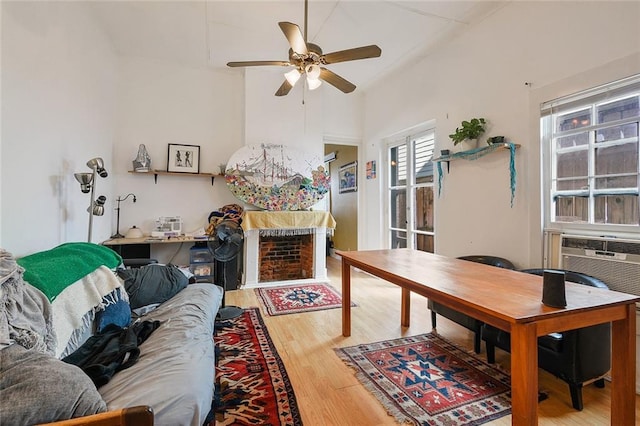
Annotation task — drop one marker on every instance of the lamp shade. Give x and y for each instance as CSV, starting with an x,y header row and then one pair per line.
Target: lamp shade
x,y
98,165
313,83
292,76
97,208
313,71
85,180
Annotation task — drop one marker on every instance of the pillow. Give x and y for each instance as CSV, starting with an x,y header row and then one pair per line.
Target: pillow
x,y
38,388
152,284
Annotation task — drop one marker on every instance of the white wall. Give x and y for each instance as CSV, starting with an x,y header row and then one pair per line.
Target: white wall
x,y
482,74
58,104
303,118
159,104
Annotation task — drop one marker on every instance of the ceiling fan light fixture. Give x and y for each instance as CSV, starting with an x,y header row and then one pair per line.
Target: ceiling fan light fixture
x,y
313,83
313,71
292,76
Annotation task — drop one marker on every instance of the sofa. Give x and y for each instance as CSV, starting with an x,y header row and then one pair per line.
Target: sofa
x,y
45,322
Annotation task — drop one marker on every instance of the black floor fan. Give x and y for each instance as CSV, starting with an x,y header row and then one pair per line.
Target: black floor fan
x,y
225,247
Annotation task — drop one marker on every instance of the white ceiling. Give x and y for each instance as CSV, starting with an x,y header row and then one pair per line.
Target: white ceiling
x,y
212,33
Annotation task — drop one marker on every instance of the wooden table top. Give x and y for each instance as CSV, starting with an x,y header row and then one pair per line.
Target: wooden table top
x,y
483,291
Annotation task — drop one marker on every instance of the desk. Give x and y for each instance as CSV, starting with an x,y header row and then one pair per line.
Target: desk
x,y
511,301
140,248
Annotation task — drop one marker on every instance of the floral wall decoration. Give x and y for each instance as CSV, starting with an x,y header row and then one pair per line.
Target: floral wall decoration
x,y
276,177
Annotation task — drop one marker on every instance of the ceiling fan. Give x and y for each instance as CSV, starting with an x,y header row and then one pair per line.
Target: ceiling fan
x,y
307,58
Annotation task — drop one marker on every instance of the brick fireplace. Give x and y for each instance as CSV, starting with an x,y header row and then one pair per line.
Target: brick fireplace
x,y
286,247
285,258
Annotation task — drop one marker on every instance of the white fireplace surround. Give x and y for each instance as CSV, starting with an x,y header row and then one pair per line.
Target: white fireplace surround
x,y
317,223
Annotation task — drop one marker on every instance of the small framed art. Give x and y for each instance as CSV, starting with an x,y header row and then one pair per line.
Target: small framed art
x,y
183,158
371,169
348,177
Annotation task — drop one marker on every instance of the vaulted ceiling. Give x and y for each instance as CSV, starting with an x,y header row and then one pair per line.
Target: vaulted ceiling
x,y
212,33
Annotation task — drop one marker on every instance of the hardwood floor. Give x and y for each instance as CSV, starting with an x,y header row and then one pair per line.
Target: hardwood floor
x,y
328,392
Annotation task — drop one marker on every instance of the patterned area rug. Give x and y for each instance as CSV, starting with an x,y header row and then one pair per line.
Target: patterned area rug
x,y
299,298
429,381
252,385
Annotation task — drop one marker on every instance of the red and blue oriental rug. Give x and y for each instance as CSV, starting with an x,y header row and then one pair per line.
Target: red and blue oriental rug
x,y
252,385
299,298
427,380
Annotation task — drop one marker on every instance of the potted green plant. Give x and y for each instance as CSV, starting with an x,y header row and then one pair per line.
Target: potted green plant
x,y
469,130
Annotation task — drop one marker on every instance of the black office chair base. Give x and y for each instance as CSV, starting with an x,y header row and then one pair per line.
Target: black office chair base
x,y
229,312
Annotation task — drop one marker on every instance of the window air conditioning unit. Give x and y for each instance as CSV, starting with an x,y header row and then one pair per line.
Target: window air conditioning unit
x,y
612,260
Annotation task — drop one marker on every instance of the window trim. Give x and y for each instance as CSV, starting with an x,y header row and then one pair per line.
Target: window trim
x,y
407,138
602,94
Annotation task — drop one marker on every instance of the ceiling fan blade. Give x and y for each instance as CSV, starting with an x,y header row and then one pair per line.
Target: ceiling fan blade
x,y
336,81
284,89
364,52
294,35
257,63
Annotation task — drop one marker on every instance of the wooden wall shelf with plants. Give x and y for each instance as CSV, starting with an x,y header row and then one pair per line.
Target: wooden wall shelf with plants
x,y
473,154
155,174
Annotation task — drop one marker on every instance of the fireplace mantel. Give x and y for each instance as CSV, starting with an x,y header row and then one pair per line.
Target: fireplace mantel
x,y
284,223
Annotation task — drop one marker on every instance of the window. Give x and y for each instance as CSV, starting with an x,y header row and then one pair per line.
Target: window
x,y
411,192
591,157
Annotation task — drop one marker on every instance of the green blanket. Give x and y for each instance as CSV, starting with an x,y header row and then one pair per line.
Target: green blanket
x,y
54,270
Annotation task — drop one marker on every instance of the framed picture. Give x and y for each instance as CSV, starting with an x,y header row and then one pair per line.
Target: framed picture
x,y
371,169
183,158
348,175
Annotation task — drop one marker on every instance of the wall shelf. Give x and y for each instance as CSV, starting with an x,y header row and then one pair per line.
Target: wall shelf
x,y
155,174
474,154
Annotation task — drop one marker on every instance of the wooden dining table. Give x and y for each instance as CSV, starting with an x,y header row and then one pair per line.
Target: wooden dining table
x,y
511,301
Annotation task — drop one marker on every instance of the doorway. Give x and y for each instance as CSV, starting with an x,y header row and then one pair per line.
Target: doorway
x,y
343,206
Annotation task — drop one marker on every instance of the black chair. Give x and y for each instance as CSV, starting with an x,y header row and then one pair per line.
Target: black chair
x,y
575,356
463,319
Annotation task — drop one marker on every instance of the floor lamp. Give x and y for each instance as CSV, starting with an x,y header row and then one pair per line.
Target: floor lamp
x,y
88,184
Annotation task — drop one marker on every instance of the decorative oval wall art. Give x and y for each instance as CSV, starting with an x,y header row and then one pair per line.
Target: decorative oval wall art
x,y
276,177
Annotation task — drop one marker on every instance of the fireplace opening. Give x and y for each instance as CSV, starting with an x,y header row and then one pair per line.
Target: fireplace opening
x,y
285,258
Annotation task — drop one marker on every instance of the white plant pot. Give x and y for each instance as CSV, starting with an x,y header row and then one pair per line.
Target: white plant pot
x,y
468,144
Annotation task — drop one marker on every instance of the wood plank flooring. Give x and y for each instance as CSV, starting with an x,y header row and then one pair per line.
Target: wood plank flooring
x,y
328,392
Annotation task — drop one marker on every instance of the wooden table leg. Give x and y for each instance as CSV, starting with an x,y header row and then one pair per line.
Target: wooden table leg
x,y
405,308
524,375
623,369
346,299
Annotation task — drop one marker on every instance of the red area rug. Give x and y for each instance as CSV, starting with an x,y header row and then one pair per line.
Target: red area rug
x,y
299,298
427,380
252,385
